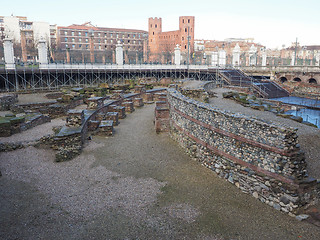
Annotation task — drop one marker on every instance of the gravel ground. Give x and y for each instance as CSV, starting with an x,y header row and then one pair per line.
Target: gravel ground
x,y
309,137
31,98
134,185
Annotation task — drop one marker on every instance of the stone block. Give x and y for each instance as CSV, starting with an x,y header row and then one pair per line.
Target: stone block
x,y
114,116
162,125
128,106
100,116
139,89
138,102
161,104
5,128
75,118
93,125
162,113
120,110
147,98
106,128
94,102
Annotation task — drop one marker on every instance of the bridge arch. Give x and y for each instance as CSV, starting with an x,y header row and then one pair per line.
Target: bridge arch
x,y
283,79
297,79
312,81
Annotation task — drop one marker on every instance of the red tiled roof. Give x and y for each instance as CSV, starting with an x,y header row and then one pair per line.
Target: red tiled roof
x,y
84,27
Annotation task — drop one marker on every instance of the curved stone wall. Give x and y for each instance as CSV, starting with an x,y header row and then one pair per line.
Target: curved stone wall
x,y
259,158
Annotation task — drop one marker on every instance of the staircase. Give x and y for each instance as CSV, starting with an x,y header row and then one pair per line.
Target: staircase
x,y
264,88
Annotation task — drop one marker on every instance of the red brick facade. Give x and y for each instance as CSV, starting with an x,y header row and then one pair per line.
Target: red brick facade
x,y
162,44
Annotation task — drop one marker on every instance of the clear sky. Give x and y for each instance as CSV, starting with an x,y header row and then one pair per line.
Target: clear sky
x,y
270,22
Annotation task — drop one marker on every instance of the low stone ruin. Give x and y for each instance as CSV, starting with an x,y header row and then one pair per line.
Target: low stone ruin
x,y
7,100
261,159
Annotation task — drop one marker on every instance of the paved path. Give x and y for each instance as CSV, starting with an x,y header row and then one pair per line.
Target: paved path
x,y
135,185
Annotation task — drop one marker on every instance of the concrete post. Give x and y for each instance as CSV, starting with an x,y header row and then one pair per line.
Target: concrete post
x,y
8,53
264,58
236,56
214,58
317,59
177,55
222,58
252,55
293,59
119,53
42,52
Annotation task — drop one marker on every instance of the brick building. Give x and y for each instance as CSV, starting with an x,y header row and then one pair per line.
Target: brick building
x,y
162,44
79,40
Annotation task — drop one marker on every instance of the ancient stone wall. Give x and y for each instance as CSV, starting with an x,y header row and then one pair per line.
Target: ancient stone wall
x,y
6,101
259,158
69,141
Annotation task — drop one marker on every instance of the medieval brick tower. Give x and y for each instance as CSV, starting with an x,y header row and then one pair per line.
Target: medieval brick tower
x,y
155,29
163,43
186,28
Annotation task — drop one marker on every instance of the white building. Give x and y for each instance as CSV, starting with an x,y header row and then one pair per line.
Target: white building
x,y
13,26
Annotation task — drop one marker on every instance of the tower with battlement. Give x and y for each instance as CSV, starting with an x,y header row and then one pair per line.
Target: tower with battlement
x,y
161,45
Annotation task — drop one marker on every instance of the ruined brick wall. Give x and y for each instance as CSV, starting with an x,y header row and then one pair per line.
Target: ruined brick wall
x,y
261,159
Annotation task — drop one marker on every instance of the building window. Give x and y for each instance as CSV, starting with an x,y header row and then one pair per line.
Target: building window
x,y
111,41
65,33
66,39
86,34
66,45
73,46
79,33
139,36
72,33
110,34
182,20
99,47
185,30
105,35
156,26
182,38
134,36
79,39
105,41
99,34
87,40
72,39
87,46
185,46
117,35
99,41
80,45
152,33
150,25
188,20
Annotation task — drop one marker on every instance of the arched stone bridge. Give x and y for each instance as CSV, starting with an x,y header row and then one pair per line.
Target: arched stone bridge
x,y
305,74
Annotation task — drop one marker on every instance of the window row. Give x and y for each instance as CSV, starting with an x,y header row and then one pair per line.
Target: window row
x,y
100,47
102,40
101,34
